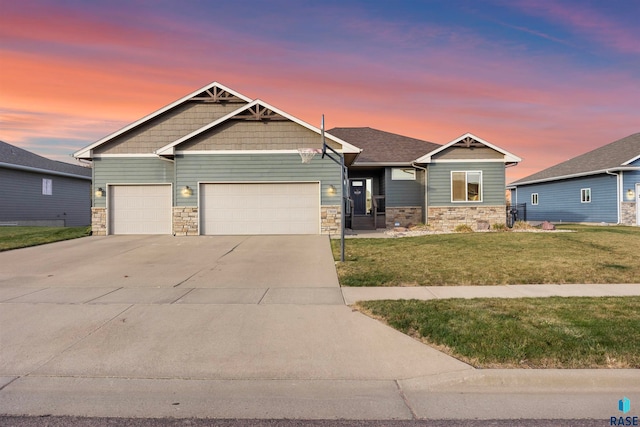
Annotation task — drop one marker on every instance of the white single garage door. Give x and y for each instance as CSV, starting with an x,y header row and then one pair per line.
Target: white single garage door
x,y
260,208
139,209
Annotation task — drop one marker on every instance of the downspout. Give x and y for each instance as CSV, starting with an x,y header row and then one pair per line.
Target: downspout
x,y
618,192
426,205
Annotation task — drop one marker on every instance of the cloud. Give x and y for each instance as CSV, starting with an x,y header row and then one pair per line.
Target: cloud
x,y
594,25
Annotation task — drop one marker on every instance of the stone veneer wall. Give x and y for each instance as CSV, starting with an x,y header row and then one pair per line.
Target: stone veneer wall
x,y
99,221
448,218
330,219
405,215
185,221
628,213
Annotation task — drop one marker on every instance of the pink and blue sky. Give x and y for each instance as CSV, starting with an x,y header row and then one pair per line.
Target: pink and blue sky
x,y
544,79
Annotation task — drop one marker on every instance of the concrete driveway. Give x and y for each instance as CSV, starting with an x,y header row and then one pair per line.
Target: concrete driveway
x,y
227,326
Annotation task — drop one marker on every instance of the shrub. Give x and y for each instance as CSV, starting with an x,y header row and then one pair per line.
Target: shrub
x,y
463,228
499,227
522,225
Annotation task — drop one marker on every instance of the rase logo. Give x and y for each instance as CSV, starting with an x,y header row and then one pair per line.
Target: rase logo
x,y
624,406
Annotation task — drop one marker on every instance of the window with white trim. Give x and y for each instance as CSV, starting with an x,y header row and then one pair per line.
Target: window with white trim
x,y
585,195
47,187
403,174
466,186
534,199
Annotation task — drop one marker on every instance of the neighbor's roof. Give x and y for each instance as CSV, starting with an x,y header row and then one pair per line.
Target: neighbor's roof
x,y
615,156
379,147
16,158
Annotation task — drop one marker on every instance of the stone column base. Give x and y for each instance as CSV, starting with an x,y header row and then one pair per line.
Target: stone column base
x,y
405,216
185,221
449,217
628,213
330,217
99,221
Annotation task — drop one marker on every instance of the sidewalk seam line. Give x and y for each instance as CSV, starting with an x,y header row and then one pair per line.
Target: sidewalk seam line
x,y
263,295
405,400
78,341
182,296
93,299
9,383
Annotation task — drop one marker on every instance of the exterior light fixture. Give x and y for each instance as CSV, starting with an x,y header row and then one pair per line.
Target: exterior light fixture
x,y
187,191
100,192
331,190
630,194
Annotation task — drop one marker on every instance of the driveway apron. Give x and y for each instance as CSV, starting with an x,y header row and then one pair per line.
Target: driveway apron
x,y
211,308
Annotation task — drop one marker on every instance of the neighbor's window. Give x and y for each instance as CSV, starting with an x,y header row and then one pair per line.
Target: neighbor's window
x,y
466,186
534,198
47,187
403,174
585,195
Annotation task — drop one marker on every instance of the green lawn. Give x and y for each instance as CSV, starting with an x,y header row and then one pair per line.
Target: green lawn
x,y
22,237
590,254
601,332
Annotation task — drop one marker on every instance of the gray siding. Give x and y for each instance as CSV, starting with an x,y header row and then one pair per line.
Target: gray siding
x,y
21,198
255,135
167,128
493,183
560,200
130,170
404,193
475,153
194,168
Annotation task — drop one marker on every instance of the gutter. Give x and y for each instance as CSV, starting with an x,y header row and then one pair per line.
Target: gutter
x,y
43,171
618,192
426,199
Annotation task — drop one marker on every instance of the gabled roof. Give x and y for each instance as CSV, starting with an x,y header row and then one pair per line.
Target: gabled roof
x,y
469,138
383,148
211,90
614,156
16,158
261,108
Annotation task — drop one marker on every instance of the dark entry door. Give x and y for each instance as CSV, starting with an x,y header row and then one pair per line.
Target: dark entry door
x,y
358,193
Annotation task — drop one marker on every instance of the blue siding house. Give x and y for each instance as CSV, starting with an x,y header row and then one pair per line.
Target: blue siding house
x,y
38,191
601,186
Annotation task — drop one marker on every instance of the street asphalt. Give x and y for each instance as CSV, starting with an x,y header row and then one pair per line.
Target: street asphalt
x,y
250,327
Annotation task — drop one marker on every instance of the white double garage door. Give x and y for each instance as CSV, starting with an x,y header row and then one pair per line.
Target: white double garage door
x,y
224,208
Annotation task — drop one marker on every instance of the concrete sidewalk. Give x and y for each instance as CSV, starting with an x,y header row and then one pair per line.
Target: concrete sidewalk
x,y
353,294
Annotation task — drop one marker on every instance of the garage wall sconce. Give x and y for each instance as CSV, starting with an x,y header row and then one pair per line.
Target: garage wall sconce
x,y
630,194
187,191
331,190
100,192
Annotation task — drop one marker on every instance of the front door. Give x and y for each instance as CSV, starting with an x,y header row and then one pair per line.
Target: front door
x,y
358,193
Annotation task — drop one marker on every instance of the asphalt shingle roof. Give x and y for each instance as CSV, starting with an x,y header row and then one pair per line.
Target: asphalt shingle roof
x,y
383,147
609,156
17,156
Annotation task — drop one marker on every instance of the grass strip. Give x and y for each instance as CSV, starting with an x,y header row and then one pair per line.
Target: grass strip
x,y
22,237
557,332
589,254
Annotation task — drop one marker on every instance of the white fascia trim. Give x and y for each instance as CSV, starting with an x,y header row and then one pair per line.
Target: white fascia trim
x,y
187,152
508,157
106,156
168,149
381,164
468,161
576,175
85,152
42,171
628,162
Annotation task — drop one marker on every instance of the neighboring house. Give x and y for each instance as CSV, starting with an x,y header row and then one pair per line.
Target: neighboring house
x,y
216,162
38,191
415,181
601,186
